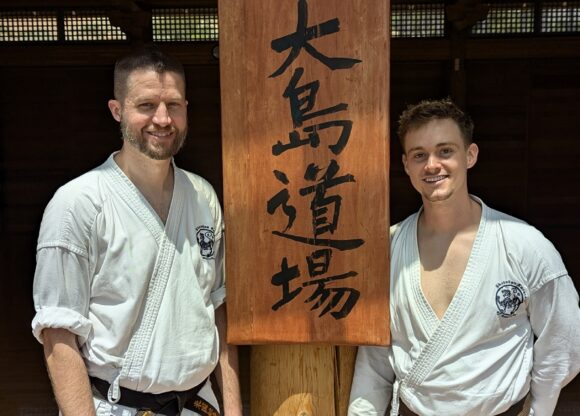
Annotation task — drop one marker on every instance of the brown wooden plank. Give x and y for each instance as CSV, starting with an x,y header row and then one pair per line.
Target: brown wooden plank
x,y
255,116
344,370
292,380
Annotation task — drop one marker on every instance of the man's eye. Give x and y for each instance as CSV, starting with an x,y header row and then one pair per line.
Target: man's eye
x,y
146,106
446,151
418,155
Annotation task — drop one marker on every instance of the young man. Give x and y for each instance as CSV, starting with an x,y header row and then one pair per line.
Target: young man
x,y
484,317
129,284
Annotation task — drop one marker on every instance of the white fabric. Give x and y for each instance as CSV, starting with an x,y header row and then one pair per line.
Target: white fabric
x,y
480,358
139,294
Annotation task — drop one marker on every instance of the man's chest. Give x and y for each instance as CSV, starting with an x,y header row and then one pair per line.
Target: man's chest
x,y
442,268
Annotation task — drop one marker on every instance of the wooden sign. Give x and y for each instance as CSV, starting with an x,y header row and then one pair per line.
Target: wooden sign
x,y
304,88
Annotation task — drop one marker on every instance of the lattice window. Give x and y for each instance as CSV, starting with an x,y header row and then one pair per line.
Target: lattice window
x,y
90,25
562,16
28,26
507,18
185,25
418,20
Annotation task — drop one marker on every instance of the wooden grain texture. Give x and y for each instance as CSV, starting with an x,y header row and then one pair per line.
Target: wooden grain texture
x,y
295,380
345,358
255,116
302,380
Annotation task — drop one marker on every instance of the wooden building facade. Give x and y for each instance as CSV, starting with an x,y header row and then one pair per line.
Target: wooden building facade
x,y
521,85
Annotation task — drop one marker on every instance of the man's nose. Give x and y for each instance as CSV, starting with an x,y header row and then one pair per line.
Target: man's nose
x,y
432,163
161,116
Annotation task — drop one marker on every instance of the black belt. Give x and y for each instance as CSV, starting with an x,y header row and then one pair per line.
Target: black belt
x,y
514,410
170,403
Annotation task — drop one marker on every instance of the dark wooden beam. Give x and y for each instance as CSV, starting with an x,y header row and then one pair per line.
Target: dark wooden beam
x,y
104,3
96,55
200,53
479,48
523,48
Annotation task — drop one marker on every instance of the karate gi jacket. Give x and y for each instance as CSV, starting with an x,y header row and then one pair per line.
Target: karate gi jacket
x,y
140,295
481,357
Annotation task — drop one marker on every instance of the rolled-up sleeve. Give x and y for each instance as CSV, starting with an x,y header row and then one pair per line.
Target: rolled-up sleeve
x,y
372,383
61,292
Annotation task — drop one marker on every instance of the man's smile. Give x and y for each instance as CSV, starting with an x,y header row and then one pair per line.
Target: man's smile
x,y
160,134
435,179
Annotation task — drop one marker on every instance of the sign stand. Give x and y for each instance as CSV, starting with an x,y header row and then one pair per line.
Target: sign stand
x,y
304,94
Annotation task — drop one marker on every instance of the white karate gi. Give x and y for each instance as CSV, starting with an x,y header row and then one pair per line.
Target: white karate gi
x,y
140,295
480,358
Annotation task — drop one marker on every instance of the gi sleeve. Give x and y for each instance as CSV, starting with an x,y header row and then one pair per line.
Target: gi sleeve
x,y
61,288
61,292
372,384
555,320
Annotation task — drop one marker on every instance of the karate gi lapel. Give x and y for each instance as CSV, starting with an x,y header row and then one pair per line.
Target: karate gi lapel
x,y
445,330
129,193
166,237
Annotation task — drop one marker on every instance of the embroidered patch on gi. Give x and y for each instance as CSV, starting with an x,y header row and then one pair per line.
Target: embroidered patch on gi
x,y
205,239
508,298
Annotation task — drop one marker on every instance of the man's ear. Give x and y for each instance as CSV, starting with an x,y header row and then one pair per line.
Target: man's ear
x,y
404,160
115,108
472,152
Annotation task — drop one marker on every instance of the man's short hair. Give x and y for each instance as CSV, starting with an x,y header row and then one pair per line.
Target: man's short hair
x,y
145,58
416,116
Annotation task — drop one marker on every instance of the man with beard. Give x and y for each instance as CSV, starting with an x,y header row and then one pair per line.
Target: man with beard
x,y
130,308
484,317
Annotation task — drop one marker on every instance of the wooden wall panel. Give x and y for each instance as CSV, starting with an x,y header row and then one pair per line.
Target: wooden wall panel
x,y
497,100
554,144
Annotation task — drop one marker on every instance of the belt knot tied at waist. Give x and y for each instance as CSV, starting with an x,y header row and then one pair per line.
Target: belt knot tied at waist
x,y
521,408
170,403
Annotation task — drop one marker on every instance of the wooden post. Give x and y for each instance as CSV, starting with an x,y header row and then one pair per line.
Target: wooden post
x,y
292,380
305,380
304,87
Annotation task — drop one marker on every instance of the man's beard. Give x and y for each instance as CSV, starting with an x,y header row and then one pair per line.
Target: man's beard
x,y
156,152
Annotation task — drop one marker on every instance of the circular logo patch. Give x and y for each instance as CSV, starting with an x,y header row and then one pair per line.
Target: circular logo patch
x,y
508,299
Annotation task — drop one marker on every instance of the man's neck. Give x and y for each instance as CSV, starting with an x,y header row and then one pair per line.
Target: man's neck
x,y
149,175
451,216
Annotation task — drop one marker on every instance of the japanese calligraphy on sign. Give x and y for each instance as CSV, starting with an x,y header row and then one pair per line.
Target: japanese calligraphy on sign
x,y
306,171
